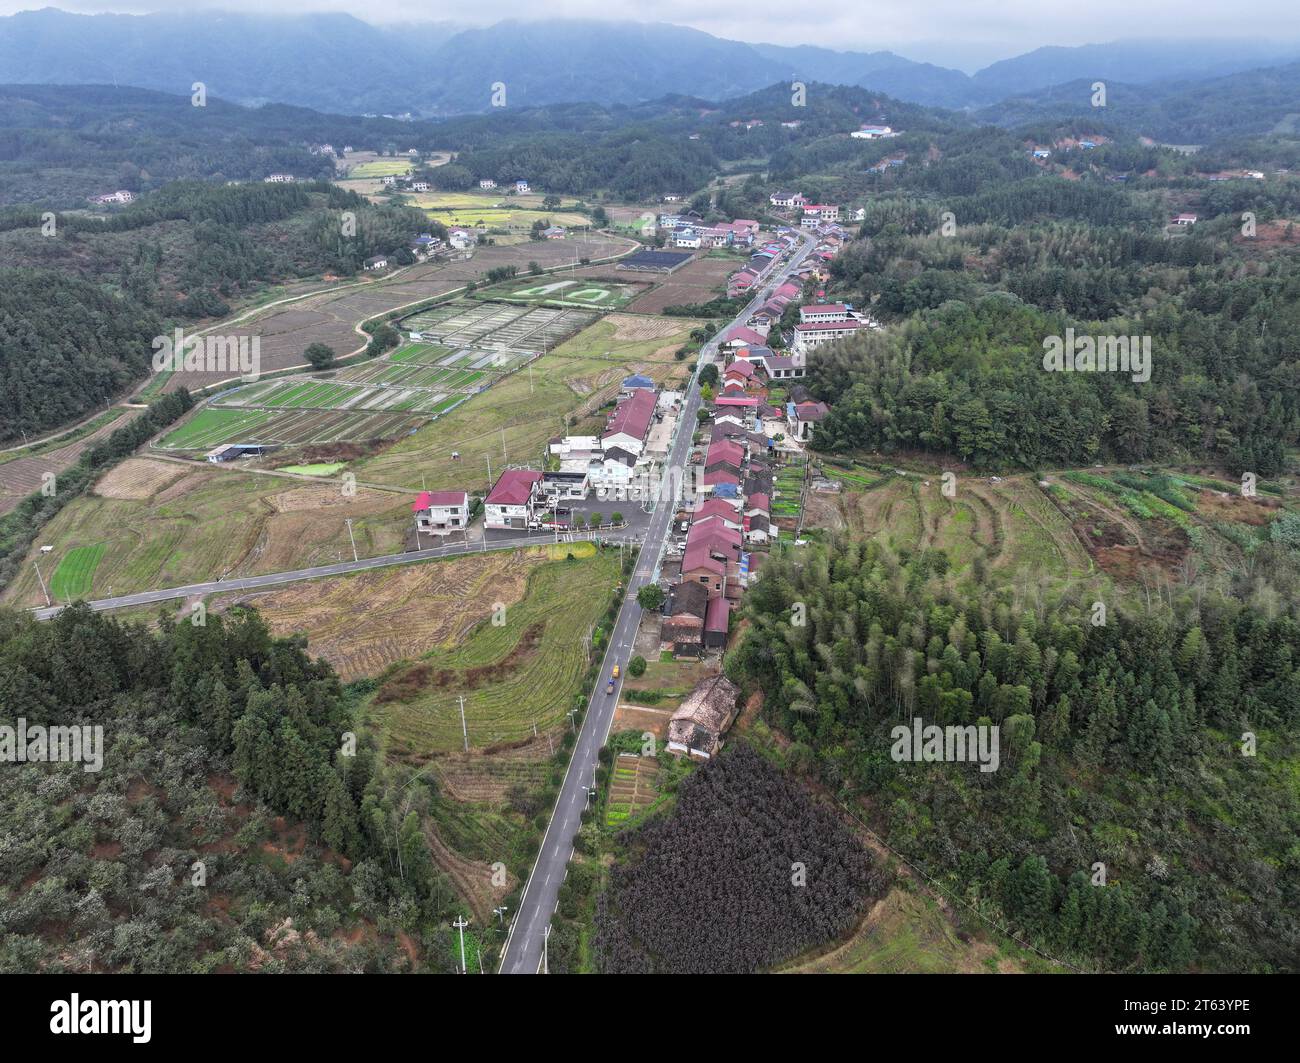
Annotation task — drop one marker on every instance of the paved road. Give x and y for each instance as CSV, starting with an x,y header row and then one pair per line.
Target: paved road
x,y
523,952
496,540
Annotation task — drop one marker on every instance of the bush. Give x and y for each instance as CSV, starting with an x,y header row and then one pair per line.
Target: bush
x,y
636,666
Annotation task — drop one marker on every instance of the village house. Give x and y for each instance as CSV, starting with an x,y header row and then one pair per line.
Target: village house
x,y
872,132
697,727
724,454
512,500
721,509
441,512
818,312
684,634
803,417
1184,219
278,179
487,182
810,335
788,200
120,196
739,336
419,186
521,186
820,212
554,232
629,423
376,262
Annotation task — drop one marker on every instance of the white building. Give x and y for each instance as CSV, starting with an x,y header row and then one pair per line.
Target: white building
x,y
441,512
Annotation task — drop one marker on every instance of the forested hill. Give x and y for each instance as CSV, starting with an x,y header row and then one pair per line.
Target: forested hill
x,y
1248,103
67,347
81,307
149,864
1123,748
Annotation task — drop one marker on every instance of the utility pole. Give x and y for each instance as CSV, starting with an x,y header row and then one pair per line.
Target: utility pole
x,y
546,941
352,539
463,729
461,924
504,457
44,591
489,461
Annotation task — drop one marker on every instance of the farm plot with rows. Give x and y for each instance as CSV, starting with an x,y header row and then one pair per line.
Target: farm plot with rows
x,y
632,788
516,417
465,323
513,676
365,622
209,523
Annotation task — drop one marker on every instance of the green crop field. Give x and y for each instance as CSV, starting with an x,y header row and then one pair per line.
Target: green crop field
x,y
380,168
523,672
522,412
210,427
76,572
560,291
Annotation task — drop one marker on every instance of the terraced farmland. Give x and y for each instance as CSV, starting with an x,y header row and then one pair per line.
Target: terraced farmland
x,y
520,674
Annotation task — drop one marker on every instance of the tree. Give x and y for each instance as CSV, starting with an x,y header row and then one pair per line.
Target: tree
x,y
616,517
319,355
636,666
651,596
709,375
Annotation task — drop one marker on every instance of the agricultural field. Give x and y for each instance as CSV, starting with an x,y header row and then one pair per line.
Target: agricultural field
x,y
23,472
384,398
76,570
494,209
379,167
1008,524
515,676
1082,527
632,788
699,281
330,316
207,523
558,290
463,323
514,419
364,622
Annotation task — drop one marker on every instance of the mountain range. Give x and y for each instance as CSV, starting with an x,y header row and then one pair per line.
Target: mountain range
x,y
338,63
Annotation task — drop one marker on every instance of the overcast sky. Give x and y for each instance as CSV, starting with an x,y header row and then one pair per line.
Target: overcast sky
x,y
958,33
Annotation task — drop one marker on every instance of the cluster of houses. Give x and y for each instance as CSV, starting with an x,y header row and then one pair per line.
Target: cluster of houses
x,y
761,263
405,183
689,230
488,183
616,464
